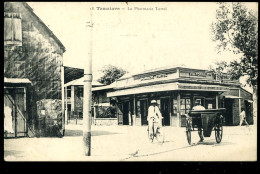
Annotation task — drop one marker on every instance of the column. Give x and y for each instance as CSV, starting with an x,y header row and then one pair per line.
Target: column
x,y
62,97
72,98
217,101
178,109
134,114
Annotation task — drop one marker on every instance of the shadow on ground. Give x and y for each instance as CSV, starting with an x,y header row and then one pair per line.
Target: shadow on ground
x,y
74,133
13,153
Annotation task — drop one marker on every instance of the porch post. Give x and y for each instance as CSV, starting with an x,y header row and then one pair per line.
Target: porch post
x,y
72,98
217,101
62,98
178,108
134,114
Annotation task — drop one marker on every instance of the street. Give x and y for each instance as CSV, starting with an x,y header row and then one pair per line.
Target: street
x,y
130,143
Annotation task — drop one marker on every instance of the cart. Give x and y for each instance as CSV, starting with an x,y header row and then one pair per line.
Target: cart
x,y
204,121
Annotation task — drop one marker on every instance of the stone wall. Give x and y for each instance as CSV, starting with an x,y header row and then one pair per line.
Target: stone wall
x,y
39,58
105,121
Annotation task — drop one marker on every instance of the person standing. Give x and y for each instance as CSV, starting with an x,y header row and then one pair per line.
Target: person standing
x,y
243,117
154,113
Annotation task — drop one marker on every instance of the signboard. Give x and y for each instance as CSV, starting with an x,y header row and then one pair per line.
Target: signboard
x,y
195,74
153,77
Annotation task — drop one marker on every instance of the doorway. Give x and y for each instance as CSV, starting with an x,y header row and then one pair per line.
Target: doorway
x,y
165,111
144,111
229,112
125,113
15,112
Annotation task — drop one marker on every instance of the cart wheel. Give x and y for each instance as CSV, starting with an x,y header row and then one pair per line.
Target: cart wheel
x,y
218,133
188,131
200,132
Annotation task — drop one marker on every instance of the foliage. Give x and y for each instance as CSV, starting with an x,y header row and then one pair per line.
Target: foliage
x,y
218,71
236,29
111,73
106,112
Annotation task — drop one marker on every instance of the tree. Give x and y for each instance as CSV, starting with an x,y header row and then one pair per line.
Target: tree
x,y
236,29
111,73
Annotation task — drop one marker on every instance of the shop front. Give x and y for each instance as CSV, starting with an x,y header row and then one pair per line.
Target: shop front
x,y
175,91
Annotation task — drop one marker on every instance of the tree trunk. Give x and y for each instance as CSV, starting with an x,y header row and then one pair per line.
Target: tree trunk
x,y
255,104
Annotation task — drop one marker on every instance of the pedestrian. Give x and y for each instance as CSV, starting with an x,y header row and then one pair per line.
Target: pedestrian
x,y
243,117
154,112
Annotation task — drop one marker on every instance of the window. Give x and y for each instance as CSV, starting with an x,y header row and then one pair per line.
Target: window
x,y
138,109
12,29
185,106
80,91
68,91
174,106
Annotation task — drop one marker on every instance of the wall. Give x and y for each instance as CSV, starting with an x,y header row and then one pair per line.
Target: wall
x,y
105,121
39,58
236,112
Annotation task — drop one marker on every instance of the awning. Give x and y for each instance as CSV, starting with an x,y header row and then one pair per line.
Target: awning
x,y
16,80
167,87
232,97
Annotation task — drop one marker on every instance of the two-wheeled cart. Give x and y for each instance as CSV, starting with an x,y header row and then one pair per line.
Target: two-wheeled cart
x,y
204,121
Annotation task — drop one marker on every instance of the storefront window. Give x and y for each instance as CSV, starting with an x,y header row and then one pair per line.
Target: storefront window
x,y
210,103
185,106
138,115
174,106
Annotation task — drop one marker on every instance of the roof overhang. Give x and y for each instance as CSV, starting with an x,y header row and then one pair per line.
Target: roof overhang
x,y
17,80
168,87
232,97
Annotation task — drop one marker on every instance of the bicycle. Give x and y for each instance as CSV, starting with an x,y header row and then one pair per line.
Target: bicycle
x,y
155,133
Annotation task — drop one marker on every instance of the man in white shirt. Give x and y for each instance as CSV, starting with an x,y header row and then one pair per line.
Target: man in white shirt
x,y
154,112
198,106
243,117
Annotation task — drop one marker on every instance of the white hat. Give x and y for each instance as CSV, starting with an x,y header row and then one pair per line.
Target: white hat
x,y
153,101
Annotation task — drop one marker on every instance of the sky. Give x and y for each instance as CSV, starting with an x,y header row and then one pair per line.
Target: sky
x,y
134,40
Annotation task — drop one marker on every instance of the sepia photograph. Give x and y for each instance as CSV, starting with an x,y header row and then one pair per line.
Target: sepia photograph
x,y
130,81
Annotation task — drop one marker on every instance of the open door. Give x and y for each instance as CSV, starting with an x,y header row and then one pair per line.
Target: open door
x,y
228,119
165,111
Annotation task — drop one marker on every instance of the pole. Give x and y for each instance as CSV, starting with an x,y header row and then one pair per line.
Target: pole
x,y
88,94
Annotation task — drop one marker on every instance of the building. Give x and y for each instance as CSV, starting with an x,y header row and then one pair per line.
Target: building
x,y
74,99
175,89
33,69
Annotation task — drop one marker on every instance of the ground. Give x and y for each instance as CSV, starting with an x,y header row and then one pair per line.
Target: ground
x,y
130,143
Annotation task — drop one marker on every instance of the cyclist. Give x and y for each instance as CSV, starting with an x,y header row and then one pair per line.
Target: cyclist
x,y
154,113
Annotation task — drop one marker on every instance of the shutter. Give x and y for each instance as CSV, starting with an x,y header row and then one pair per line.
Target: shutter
x,y
12,29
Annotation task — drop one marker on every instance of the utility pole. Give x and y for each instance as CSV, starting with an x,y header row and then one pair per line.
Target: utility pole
x,y
88,92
